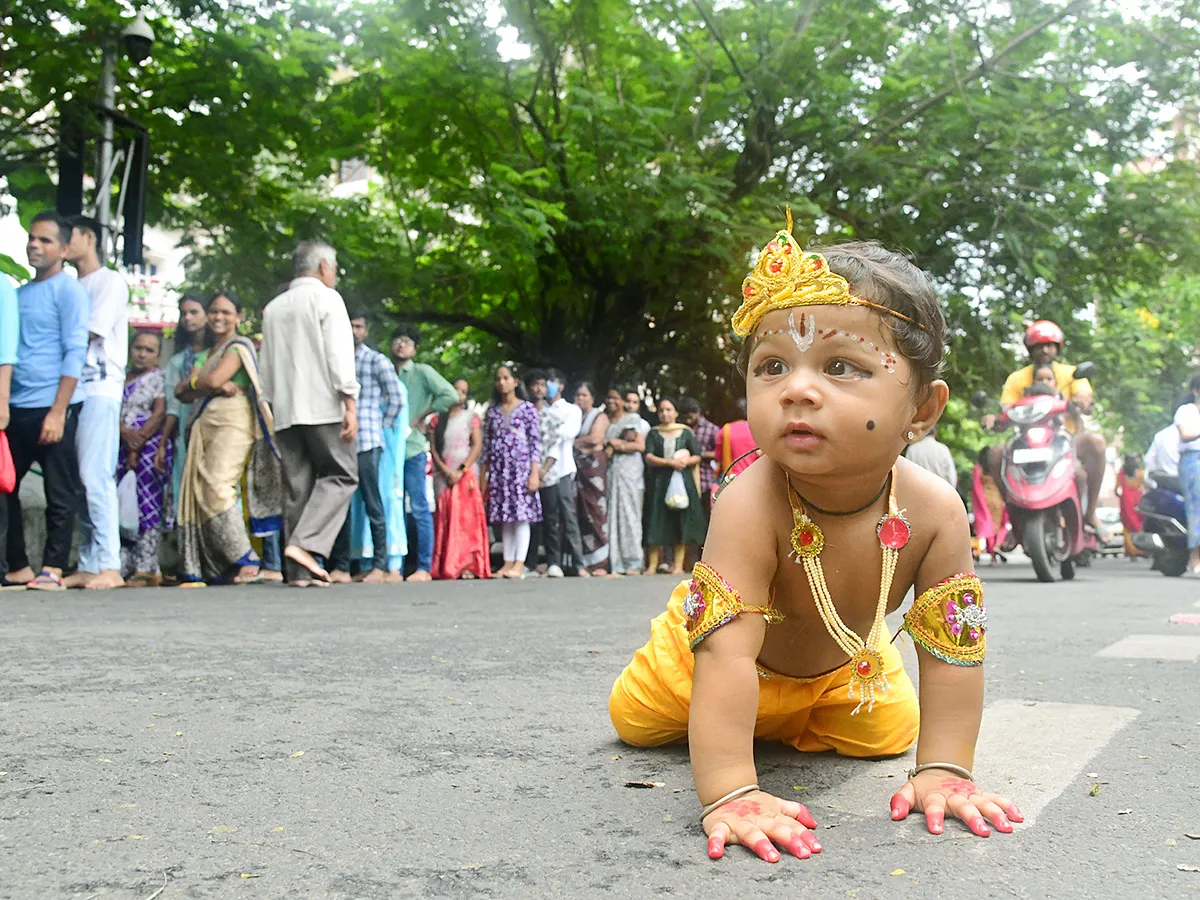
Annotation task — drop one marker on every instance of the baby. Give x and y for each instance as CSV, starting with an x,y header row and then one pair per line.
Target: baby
x,y
780,634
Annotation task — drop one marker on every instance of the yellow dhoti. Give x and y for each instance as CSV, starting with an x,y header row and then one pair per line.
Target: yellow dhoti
x,y
650,700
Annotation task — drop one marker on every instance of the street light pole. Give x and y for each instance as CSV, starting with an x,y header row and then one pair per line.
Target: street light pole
x,y
108,100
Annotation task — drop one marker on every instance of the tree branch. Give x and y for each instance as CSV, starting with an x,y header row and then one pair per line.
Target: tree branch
x,y
721,41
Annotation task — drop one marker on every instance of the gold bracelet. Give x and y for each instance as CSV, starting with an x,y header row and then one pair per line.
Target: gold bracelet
x,y
732,795
949,767
192,383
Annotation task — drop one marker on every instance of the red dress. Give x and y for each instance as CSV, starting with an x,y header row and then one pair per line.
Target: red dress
x,y
460,533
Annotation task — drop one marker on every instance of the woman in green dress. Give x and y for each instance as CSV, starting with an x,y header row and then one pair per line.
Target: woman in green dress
x,y
672,447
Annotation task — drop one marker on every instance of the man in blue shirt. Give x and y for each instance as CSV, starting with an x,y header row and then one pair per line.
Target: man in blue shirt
x,y
44,408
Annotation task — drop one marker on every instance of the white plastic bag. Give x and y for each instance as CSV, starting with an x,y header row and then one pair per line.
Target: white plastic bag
x,y
127,503
677,497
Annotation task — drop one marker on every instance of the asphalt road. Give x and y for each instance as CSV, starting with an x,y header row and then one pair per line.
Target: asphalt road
x,y
452,740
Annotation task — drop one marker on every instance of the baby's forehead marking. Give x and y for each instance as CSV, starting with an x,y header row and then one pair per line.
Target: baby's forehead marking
x,y
804,339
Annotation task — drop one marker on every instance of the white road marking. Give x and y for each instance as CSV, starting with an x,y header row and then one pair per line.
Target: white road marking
x,y
1185,648
1029,751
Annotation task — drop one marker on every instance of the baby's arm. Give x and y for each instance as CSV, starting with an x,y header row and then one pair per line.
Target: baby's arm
x,y
724,704
951,696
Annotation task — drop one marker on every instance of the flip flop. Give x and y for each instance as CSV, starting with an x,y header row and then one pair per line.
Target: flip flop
x,y
46,581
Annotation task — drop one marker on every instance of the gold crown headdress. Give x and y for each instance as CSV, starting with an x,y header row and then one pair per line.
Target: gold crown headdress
x,y
786,277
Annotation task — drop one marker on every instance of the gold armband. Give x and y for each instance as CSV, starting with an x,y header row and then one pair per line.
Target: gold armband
x,y
949,621
711,603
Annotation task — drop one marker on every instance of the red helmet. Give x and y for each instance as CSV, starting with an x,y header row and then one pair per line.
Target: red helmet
x,y
1043,332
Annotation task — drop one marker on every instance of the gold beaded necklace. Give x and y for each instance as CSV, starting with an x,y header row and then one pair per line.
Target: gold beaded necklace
x,y
866,674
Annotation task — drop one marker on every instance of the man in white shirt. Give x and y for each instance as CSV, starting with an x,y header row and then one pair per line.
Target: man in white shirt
x,y
308,376
559,492
1163,456
98,437
932,455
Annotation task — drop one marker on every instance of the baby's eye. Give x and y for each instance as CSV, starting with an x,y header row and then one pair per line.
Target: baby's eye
x,y
771,367
840,368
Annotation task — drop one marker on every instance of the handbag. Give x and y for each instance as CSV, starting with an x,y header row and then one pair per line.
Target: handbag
x,y
677,497
8,472
129,517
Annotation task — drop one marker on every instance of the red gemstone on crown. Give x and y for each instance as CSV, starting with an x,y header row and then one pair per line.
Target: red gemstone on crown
x,y
894,532
776,266
748,291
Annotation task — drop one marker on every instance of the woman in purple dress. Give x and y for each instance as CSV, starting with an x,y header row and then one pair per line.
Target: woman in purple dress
x,y
147,455
512,446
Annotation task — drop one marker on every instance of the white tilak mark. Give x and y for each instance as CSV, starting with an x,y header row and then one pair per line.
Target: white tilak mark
x,y
808,333
1028,751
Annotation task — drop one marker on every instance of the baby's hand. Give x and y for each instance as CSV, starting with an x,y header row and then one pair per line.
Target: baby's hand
x,y
756,820
935,791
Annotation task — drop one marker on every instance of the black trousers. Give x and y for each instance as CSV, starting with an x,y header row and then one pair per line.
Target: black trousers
x,y
368,486
560,517
60,472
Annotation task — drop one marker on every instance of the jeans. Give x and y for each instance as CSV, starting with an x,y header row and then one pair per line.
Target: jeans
x,y
61,479
368,486
272,556
418,498
97,443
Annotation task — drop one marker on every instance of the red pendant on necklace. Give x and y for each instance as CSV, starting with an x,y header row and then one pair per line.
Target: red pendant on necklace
x,y
894,532
807,539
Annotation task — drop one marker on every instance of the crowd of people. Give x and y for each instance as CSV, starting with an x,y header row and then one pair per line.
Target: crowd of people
x,y
312,457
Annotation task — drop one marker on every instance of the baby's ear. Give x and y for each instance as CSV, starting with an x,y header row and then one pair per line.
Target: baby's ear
x,y
930,405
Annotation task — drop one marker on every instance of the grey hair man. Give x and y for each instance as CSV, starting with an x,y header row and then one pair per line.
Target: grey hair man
x,y
308,376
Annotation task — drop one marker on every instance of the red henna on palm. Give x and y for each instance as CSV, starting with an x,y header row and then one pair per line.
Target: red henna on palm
x,y
716,848
742,808
766,850
959,786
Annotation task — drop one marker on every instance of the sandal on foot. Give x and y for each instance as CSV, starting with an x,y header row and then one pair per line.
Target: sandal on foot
x,y
46,581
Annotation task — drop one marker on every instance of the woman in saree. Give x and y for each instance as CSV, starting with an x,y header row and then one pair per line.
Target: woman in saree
x,y
625,441
672,447
143,411
592,481
461,546
230,436
191,337
987,506
391,488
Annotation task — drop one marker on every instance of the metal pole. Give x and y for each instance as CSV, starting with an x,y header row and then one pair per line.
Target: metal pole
x,y
108,99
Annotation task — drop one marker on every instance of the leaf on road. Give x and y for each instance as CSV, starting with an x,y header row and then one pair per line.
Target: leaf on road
x,y
896,872
799,787
1093,774
277,828
1142,756
136,837
667,817
1124,812
1095,790
296,755
618,756
1184,867
249,875
645,784
1190,836
179,734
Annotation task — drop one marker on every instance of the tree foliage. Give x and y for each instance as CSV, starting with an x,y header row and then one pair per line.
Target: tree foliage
x,y
592,200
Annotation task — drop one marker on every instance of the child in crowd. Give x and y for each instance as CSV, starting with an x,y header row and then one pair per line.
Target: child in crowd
x,y
780,634
146,454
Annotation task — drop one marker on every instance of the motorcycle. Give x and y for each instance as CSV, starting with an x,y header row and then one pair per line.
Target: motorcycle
x,y
1164,529
1037,476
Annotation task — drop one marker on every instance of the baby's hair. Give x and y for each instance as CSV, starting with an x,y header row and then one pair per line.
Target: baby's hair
x,y
889,279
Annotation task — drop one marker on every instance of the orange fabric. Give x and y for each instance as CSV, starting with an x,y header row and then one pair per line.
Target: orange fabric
x,y
650,700
460,531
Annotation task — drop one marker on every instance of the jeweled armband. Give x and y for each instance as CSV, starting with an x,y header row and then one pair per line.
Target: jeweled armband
x,y
711,603
949,621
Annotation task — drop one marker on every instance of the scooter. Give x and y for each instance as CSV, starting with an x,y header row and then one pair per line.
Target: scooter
x,y
1164,531
1037,475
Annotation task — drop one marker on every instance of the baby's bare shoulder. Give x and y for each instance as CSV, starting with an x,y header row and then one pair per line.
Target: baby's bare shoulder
x,y
929,497
750,507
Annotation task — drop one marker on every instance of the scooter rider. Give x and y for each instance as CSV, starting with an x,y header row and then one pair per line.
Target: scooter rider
x,y
1044,341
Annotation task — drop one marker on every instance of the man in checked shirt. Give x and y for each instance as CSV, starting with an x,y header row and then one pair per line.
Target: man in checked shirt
x,y
380,404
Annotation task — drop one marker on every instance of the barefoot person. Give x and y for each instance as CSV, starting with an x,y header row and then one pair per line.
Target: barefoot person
x,y
98,436
780,634
309,378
